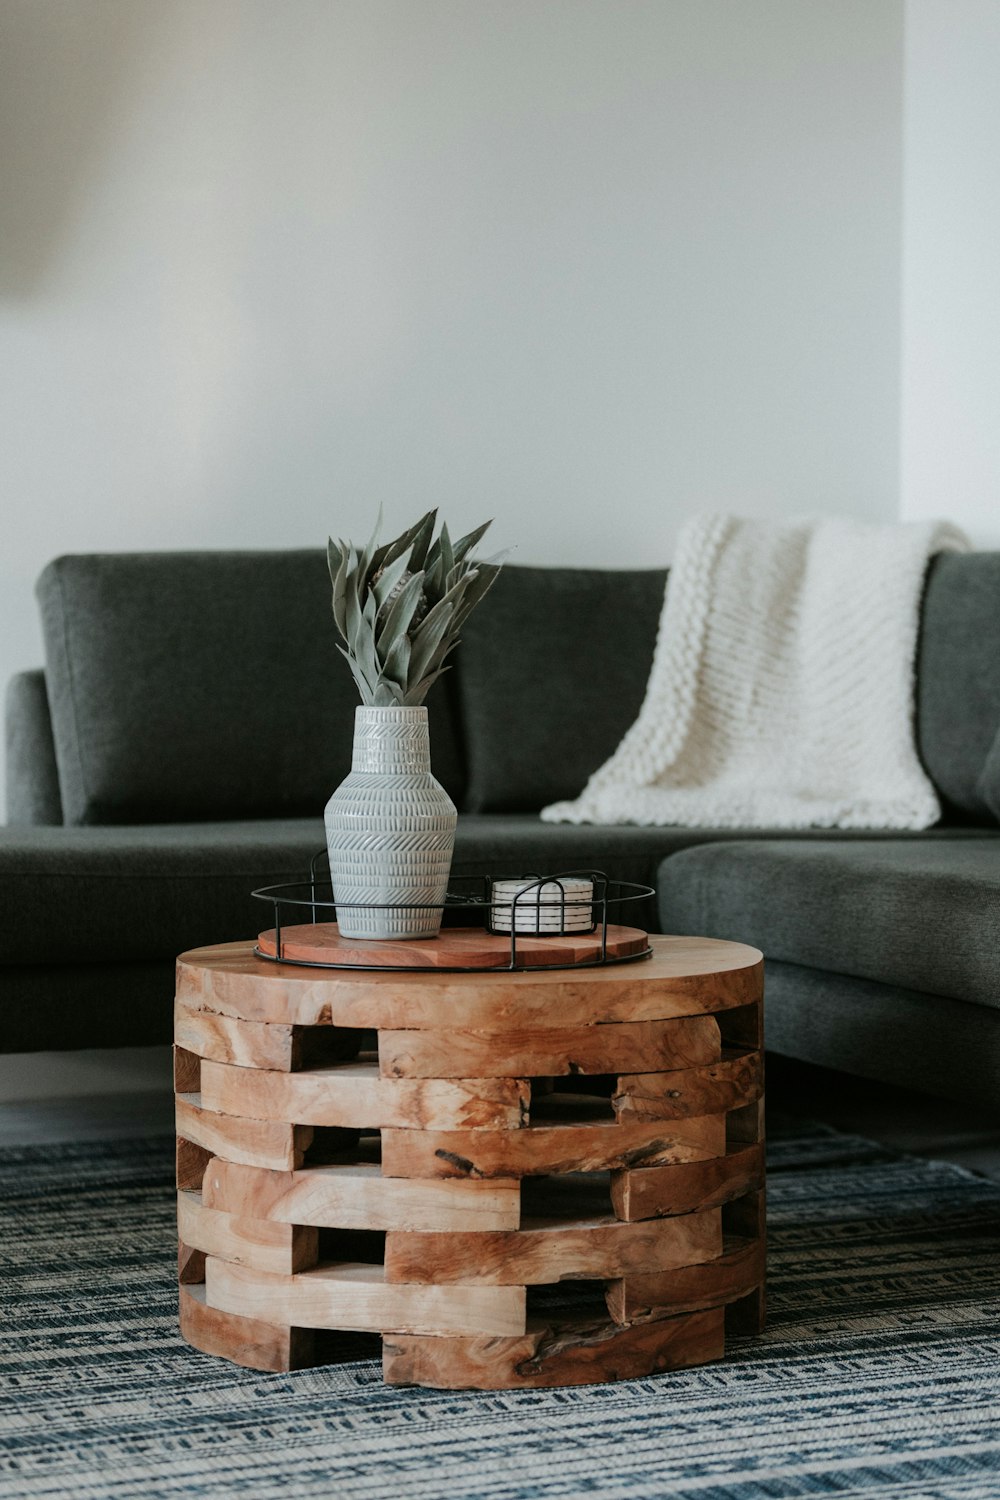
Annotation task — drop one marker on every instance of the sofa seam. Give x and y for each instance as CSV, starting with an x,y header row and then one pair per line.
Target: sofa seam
x,y
71,679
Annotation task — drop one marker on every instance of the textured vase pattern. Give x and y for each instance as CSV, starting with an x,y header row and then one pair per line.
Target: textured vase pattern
x,y
390,830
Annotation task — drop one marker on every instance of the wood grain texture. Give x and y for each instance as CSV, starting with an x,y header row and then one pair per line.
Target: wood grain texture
x,y
649,1192
246,1341
725,1085
248,1044
190,1265
743,1027
264,1244
685,976
624,1047
747,1217
359,1197
543,1252
259,1044
358,1297
353,1094
568,1354
453,948
192,1160
747,1123
737,1273
257,1143
187,1071
542,1150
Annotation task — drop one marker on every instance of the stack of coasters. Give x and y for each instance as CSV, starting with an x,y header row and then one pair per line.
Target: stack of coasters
x,y
553,907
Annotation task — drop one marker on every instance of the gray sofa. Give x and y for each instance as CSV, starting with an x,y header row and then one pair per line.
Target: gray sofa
x,y
193,716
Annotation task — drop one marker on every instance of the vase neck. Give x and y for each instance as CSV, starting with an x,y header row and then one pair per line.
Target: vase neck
x,y
392,741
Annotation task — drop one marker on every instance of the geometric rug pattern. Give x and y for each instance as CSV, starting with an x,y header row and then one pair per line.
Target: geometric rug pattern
x,y
878,1375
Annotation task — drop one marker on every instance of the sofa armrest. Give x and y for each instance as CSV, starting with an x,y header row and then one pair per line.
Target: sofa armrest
x,y
32,778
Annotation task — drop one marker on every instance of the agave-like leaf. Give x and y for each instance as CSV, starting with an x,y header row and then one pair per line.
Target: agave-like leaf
x,y
422,541
433,630
387,694
387,554
480,583
379,593
366,565
434,584
447,555
373,540
400,616
397,663
352,599
365,688
336,557
391,573
362,643
466,543
447,603
416,694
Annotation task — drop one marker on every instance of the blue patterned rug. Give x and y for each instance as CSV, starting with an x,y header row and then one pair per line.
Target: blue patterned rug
x,y
879,1374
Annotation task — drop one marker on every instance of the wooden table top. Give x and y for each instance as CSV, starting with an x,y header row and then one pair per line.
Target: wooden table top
x,y
683,976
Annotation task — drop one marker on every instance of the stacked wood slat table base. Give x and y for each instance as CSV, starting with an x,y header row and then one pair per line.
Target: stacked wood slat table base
x,y
434,1157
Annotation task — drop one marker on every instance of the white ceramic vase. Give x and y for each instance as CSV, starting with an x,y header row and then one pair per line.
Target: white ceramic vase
x,y
390,830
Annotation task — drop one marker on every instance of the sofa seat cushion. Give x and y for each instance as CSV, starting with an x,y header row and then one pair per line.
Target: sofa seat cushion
x,y
883,1031
140,893
921,914
132,894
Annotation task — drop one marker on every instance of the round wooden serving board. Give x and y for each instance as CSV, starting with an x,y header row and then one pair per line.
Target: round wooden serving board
x,y
453,948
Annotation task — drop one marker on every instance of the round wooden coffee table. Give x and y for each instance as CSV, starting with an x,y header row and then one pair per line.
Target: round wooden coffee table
x,y
518,1179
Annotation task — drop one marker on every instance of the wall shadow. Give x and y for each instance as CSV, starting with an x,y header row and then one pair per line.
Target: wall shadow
x,y
63,66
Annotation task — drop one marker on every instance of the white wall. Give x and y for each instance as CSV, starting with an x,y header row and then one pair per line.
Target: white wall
x,y
950,432
584,266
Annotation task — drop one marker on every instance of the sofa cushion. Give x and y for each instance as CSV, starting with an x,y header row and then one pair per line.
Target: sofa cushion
x,y
133,894
922,914
137,893
958,680
32,776
53,1007
883,1031
988,785
514,844
191,685
553,671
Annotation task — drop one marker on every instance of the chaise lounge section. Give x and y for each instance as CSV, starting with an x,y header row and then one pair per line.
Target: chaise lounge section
x,y
193,717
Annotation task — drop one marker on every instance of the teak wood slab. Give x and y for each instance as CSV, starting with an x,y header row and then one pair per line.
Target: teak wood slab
x,y
512,1131
454,948
684,977
628,1047
546,1355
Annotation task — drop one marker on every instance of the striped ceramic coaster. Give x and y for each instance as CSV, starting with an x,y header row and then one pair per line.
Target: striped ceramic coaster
x,y
557,906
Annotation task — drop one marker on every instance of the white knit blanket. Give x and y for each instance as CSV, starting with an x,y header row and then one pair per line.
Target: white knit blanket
x,y
782,688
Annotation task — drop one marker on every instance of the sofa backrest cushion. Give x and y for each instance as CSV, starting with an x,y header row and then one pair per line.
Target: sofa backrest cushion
x,y
552,671
194,685
958,681
553,668
33,796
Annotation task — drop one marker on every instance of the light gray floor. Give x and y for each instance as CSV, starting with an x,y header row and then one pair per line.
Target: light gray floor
x,y
87,1095
47,1097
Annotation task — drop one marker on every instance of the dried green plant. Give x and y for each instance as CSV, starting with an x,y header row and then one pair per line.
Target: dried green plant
x,y
399,607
